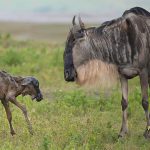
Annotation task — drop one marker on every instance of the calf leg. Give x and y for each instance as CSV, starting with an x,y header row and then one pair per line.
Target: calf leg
x,y
24,110
149,81
145,104
124,103
9,115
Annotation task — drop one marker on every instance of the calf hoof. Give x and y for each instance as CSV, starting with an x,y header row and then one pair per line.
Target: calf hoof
x,y
123,133
31,132
12,133
147,134
120,136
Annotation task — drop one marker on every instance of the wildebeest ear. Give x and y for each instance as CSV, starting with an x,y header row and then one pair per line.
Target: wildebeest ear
x,y
26,81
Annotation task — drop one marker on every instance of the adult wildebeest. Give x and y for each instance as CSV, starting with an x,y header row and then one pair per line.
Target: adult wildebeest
x,y
11,87
118,48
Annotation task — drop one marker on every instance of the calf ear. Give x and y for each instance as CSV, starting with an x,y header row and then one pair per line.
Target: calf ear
x,y
26,81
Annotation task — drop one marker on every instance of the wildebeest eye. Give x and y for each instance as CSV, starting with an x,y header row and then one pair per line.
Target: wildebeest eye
x,y
81,31
79,34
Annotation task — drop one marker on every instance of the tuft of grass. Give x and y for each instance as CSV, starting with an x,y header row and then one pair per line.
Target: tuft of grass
x,y
46,143
11,58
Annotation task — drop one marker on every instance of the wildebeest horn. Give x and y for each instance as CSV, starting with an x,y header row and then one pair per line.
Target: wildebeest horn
x,y
73,20
81,23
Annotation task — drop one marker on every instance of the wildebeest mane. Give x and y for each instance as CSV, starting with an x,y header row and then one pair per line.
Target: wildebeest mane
x,y
137,11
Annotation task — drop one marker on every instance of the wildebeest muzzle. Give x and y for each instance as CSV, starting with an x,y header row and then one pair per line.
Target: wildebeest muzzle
x,y
39,97
70,74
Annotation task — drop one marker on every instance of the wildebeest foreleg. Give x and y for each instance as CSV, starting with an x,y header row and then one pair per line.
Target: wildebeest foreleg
x,y
145,104
9,115
124,103
24,110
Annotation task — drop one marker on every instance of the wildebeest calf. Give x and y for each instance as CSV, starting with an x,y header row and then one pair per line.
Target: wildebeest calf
x,y
11,87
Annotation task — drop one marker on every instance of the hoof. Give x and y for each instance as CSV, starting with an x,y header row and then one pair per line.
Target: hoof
x,y
147,134
12,133
123,133
30,129
120,136
31,132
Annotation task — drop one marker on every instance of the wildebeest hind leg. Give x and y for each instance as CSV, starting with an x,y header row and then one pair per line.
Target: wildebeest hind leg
x,y
145,104
124,103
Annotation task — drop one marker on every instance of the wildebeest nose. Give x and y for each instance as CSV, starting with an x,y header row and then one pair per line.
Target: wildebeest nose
x,y
39,97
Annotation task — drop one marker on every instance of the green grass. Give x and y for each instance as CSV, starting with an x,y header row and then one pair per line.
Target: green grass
x,y
69,117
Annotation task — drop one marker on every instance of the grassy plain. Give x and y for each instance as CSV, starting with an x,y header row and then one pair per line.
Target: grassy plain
x,y
52,33
69,117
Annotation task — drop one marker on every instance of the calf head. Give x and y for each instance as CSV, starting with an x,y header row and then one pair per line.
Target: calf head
x,y
31,87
